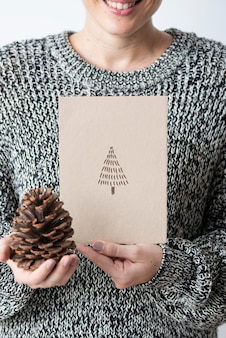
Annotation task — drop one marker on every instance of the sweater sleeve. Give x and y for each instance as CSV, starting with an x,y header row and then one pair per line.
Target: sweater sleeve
x,y
191,284
13,296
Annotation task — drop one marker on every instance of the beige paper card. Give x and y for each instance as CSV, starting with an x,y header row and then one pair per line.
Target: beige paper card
x,y
113,167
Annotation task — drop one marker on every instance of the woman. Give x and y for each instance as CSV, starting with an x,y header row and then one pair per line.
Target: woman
x,y
109,290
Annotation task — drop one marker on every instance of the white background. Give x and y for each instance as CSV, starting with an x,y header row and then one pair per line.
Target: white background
x,y
20,19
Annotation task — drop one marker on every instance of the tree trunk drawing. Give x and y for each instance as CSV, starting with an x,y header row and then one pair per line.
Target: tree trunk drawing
x,y
111,173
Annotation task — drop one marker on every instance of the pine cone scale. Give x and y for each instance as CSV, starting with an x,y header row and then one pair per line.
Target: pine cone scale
x,y
45,245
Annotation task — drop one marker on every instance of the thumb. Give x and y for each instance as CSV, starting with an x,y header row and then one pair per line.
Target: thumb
x,y
111,249
5,250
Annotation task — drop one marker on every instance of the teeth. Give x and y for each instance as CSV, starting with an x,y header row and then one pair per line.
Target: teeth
x,y
119,5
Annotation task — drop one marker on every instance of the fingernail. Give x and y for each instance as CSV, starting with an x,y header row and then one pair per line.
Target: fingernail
x,y
69,262
98,246
50,265
74,262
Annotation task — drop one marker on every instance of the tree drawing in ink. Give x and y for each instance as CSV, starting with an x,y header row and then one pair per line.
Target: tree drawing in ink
x,y
111,173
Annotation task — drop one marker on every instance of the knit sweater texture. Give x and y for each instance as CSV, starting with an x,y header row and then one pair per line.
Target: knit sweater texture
x,y
187,297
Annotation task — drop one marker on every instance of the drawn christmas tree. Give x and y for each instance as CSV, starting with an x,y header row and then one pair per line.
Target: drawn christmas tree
x,y
111,173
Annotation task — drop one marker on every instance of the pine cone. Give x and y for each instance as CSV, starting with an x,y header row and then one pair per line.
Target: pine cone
x,y
40,230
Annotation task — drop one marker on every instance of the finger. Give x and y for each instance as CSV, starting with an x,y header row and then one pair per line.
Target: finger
x,y
63,271
48,274
104,262
137,253
119,270
134,253
32,278
5,250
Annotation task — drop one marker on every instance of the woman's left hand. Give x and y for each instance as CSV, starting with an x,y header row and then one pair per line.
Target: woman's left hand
x,y
127,265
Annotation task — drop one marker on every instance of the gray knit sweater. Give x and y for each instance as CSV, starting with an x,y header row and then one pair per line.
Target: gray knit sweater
x,y
187,297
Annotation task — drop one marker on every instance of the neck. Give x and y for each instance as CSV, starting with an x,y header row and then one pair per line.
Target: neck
x,y
121,53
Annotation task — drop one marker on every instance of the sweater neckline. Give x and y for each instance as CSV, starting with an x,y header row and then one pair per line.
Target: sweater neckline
x,y
75,66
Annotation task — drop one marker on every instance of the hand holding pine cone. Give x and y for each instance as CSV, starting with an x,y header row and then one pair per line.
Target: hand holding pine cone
x,y
41,230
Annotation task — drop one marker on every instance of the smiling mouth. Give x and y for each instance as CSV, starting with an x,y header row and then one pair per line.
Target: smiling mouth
x,y
120,5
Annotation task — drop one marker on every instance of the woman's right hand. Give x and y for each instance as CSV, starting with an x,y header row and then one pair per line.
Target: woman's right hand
x,y
48,275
